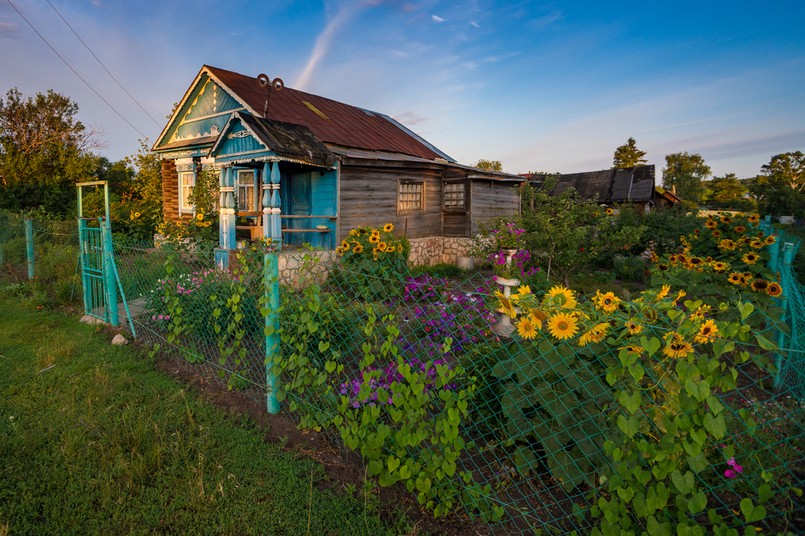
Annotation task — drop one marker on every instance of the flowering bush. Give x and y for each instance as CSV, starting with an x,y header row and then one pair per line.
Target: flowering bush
x,y
650,434
372,263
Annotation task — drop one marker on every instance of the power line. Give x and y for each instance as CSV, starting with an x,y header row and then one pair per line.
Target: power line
x,y
74,71
104,66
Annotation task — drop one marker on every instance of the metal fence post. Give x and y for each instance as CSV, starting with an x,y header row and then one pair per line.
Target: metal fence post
x,y
271,287
29,246
108,273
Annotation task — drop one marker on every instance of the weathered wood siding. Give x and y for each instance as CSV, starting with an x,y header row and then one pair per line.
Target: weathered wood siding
x,y
492,199
170,191
369,197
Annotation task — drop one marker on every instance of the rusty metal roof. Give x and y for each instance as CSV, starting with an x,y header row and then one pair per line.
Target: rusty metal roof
x,y
332,122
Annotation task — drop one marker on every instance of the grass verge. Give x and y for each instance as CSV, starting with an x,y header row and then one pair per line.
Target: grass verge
x,y
93,440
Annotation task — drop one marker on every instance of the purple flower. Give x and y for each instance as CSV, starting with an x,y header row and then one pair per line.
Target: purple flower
x,y
734,470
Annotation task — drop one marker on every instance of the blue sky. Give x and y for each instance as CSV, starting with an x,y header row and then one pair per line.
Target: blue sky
x,y
540,86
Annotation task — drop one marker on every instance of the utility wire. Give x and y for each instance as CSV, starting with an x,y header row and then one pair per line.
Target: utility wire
x,y
104,66
74,71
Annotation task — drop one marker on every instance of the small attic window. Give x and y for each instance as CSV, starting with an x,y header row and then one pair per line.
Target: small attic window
x,y
315,110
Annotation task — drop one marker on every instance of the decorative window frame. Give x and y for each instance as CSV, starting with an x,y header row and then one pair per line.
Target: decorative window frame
x,y
454,196
246,185
411,196
185,189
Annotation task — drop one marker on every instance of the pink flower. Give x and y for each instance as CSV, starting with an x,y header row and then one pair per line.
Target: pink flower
x,y
734,470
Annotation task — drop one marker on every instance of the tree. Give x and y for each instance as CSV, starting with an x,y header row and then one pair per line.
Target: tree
x,y
489,165
780,189
728,192
44,151
685,172
628,155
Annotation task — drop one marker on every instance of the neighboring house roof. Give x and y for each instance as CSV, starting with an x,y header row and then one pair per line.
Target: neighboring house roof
x,y
668,195
331,122
607,185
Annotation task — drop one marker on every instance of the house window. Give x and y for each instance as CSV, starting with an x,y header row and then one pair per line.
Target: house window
x,y
411,196
454,195
186,183
245,189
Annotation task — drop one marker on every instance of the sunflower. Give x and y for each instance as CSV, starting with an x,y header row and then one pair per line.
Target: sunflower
x,y
720,267
716,233
679,295
698,314
609,211
740,229
567,301
677,347
663,292
375,237
357,248
750,258
770,240
607,302
747,278
633,327
735,278
696,262
662,267
594,334
339,251
633,349
760,285
726,220
382,247
506,306
523,290
753,218
563,325
711,224
727,244
707,332
200,216
388,227
527,328
673,258
345,245
774,289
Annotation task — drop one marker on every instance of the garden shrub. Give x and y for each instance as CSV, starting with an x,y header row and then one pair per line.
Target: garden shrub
x,y
638,410
372,263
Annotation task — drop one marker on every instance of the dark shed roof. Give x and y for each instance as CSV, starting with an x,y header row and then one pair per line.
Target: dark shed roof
x,y
608,185
330,121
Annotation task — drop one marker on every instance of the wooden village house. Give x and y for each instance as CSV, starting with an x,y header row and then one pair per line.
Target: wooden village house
x,y
302,168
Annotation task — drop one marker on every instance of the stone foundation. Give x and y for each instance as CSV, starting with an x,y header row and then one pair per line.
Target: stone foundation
x,y
437,250
319,265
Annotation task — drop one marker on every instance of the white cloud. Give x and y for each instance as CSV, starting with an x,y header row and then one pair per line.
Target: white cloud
x,y
437,19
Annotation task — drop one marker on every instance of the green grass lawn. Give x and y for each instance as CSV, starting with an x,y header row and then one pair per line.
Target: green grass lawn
x,y
93,440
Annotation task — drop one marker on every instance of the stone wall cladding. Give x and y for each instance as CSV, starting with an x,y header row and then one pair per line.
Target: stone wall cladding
x,y
424,252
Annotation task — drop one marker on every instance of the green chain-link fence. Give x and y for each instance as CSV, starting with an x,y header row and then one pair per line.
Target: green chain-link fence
x,y
654,414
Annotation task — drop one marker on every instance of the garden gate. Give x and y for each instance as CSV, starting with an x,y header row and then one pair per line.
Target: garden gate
x,y
99,276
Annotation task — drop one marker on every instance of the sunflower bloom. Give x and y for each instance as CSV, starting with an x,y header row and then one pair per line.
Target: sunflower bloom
x,y
679,295
774,289
594,334
720,267
735,278
527,328
567,301
756,243
374,238
753,218
607,302
382,247
770,240
699,314
711,224
357,248
633,327
760,285
507,307
388,227
563,325
707,332
740,229
663,292
750,258
677,347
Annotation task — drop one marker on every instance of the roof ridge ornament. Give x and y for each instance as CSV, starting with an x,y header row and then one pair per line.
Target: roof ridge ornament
x,y
264,81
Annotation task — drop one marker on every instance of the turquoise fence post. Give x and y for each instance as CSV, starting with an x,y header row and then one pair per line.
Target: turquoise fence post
x,y
29,246
774,255
788,258
109,273
271,286
83,256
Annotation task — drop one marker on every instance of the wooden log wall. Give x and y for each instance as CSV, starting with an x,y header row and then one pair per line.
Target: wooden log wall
x,y
369,197
491,199
170,191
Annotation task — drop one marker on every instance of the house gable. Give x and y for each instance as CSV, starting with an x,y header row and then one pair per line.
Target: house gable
x,y
200,117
